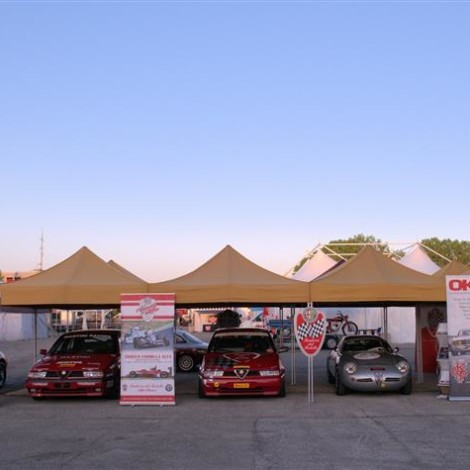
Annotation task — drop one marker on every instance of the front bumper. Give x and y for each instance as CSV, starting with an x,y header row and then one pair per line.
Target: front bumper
x,y
61,388
370,381
266,386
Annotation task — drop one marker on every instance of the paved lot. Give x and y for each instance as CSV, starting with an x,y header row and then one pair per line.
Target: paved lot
x,y
357,431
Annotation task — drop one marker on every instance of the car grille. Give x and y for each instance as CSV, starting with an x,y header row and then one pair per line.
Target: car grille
x,y
69,374
387,379
231,373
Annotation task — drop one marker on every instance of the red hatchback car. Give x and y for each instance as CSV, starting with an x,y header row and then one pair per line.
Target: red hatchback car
x,y
79,363
242,361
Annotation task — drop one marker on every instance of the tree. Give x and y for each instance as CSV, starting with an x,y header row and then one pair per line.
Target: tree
x,y
347,246
228,319
451,249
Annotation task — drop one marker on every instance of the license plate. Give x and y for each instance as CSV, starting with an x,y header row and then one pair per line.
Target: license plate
x,y
241,385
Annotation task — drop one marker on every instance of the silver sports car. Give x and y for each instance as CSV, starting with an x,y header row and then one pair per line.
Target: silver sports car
x,y
367,363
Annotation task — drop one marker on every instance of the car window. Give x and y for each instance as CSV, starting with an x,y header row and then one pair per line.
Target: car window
x,y
85,344
179,339
241,343
365,344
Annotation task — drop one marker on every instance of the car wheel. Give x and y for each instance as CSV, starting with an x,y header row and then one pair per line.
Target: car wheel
x,y
186,363
340,387
282,392
3,374
200,390
132,374
407,389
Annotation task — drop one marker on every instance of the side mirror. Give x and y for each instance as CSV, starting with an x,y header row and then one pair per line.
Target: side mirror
x,y
43,352
396,349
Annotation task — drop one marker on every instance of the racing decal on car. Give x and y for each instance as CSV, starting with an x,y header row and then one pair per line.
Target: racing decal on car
x,y
366,356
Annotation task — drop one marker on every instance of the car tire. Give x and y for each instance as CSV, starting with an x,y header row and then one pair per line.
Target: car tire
x,y
3,374
407,388
186,363
282,391
340,387
132,374
200,391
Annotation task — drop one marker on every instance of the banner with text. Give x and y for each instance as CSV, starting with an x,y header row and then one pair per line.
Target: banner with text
x,y
458,326
147,349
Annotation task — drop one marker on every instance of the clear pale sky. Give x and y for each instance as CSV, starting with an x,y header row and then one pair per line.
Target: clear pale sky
x,y
156,133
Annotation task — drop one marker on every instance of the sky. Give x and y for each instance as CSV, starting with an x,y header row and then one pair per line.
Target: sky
x,y
156,133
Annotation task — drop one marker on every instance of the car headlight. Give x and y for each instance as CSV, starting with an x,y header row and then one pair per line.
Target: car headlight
x,y
403,367
269,373
210,374
37,375
93,374
350,367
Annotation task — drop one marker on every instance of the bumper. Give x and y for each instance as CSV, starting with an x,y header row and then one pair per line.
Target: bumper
x,y
375,382
233,387
70,388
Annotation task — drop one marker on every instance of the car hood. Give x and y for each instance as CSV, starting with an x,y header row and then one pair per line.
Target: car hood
x,y
249,359
72,361
372,358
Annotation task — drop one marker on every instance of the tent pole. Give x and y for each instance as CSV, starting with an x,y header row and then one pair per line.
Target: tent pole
x,y
292,345
418,346
35,334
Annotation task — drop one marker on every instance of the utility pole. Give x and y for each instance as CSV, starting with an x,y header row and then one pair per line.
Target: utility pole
x,y
41,251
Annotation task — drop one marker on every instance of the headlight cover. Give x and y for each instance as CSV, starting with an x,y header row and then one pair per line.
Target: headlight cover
x,y
37,374
269,373
403,367
350,367
93,374
210,374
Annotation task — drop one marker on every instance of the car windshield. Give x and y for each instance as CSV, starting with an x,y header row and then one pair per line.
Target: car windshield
x,y
230,342
366,344
85,343
185,337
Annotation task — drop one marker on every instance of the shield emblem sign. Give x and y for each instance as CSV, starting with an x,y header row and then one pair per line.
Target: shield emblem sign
x,y
310,330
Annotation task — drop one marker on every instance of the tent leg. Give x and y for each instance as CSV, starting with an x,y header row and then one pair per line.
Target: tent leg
x,y
418,346
292,345
35,335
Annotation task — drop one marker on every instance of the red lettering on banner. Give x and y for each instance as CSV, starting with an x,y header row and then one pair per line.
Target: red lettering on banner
x,y
459,285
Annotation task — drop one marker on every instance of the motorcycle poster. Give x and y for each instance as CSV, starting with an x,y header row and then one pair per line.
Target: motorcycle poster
x,y
147,349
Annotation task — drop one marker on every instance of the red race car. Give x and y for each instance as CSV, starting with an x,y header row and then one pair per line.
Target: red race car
x,y
79,363
151,373
242,361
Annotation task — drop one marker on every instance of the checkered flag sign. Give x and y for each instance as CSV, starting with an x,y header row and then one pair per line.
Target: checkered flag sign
x,y
310,329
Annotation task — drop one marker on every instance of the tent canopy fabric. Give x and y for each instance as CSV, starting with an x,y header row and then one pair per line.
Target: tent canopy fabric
x,y
419,260
451,269
230,278
124,270
373,278
318,264
83,279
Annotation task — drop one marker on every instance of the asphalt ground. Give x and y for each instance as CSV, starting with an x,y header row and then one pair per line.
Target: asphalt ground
x,y
357,431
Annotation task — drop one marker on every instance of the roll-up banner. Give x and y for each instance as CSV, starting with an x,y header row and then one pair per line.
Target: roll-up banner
x,y
458,325
147,349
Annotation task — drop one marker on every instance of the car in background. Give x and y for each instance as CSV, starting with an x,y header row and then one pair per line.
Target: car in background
x,y
79,363
368,363
242,361
3,369
189,350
